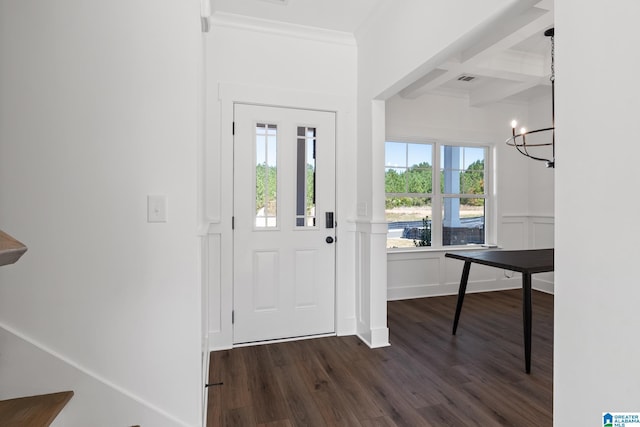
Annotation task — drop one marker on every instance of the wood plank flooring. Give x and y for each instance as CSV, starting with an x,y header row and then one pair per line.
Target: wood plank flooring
x,y
427,377
33,411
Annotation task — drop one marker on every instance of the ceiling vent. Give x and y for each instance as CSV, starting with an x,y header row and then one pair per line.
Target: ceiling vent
x,y
465,78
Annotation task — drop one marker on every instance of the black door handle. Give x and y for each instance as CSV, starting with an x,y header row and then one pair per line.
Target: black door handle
x,y
329,239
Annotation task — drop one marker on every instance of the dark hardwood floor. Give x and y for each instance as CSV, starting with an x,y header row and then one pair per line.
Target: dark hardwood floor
x,y
427,377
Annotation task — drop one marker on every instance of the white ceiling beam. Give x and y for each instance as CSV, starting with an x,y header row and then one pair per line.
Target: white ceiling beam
x,y
511,65
453,50
491,57
491,93
413,90
432,81
534,28
545,4
514,66
510,33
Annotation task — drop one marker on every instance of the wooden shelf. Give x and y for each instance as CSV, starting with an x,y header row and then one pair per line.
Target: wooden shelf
x,y
10,249
33,411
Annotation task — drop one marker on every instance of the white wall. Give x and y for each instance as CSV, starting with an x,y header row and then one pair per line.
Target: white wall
x,y
260,62
596,300
541,178
399,44
516,225
27,370
99,108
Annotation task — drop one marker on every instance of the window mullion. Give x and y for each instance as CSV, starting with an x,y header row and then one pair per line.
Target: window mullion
x,y
436,201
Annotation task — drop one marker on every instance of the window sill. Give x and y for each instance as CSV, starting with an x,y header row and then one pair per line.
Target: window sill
x,y
471,247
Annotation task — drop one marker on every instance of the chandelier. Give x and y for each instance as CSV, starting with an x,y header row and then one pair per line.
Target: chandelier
x,y
519,140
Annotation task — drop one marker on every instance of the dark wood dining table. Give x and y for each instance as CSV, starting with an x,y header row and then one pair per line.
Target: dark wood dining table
x,y
527,262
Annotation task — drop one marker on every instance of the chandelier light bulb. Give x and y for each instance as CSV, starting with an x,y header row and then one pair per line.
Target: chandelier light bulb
x,y
523,131
514,123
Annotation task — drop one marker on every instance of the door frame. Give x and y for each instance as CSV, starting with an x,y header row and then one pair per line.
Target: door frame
x,y
218,202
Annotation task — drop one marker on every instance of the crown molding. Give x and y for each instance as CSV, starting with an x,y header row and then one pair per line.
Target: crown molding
x,y
247,23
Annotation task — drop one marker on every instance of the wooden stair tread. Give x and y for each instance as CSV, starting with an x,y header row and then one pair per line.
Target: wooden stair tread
x,y
33,411
10,249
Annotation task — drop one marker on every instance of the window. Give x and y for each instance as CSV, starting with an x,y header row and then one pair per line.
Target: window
x,y
266,175
427,209
306,177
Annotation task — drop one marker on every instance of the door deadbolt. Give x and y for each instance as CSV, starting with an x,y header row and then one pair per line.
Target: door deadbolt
x,y
329,239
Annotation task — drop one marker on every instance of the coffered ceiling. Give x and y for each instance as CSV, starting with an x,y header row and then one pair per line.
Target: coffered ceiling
x,y
512,62
509,62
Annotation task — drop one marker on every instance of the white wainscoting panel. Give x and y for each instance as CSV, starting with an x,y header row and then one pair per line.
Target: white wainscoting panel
x,y
346,278
541,235
213,277
218,278
426,273
429,273
541,232
411,275
481,278
514,232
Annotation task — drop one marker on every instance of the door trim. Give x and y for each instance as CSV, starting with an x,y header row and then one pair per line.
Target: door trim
x,y
218,200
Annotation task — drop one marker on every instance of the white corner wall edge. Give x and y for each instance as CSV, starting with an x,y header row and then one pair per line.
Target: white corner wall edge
x,y
28,368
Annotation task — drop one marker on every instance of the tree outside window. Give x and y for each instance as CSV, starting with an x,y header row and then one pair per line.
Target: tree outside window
x,y
413,194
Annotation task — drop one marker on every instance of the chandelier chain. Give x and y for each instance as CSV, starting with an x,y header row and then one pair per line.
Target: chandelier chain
x,y
553,65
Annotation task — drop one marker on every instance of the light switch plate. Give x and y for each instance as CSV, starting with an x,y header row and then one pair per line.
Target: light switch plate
x,y
156,208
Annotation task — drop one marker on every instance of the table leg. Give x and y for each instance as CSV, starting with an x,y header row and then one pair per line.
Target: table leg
x,y
461,291
526,317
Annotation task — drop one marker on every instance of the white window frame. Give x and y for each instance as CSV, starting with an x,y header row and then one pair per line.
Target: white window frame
x,y
437,197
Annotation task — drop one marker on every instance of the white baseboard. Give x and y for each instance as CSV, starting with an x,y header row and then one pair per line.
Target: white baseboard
x,y
222,341
375,338
205,380
347,327
423,291
543,285
219,341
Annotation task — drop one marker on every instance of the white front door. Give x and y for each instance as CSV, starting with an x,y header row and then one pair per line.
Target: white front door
x,y
283,240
